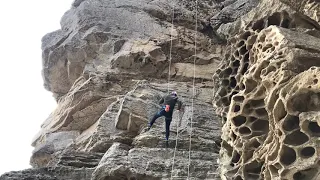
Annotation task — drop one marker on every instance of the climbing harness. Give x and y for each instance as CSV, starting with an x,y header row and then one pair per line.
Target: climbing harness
x,y
193,85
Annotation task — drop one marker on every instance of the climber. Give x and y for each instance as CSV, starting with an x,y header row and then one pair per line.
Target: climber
x,y
168,101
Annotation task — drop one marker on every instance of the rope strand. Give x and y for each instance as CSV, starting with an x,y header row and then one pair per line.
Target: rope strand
x,y
169,75
170,52
193,85
175,148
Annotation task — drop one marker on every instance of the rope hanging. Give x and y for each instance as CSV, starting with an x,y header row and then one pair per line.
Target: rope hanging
x,y
170,52
175,148
193,84
169,75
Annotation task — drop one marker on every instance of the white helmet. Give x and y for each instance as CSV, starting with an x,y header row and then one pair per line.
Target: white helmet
x,y
174,93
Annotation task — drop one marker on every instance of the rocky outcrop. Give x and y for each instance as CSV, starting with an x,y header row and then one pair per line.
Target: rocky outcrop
x,y
111,62
268,98
107,67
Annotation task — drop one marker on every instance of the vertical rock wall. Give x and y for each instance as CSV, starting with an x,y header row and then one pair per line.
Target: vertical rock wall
x,y
267,93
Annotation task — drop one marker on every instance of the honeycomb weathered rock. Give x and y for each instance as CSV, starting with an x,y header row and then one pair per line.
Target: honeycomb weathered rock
x,y
268,95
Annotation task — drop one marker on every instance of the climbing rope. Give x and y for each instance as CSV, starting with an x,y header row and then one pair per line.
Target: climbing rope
x,y
193,84
170,51
169,75
175,148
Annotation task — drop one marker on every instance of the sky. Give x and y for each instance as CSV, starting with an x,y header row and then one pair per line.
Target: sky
x,y
24,103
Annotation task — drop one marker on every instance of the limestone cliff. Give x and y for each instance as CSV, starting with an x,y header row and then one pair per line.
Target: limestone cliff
x,y
256,74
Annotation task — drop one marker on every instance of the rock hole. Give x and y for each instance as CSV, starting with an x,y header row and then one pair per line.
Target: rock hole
x,y
312,99
242,86
238,98
288,156
235,157
243,50
314,127
238,178
252,119
274,19
296,138
260,125
266,47
235,70
225,101
241,43
251,40
247,109
290,123
285,23
228,71
244,131
236,63
315,81
298,176
239,120
307,152
232,94
245,68
259,25
273,169
257,103
307,174
234,136
222,92
279,111
227,147
278,165
236,108
261,112
246,57
262,38
225,82
255,143
250,85
236,54
245,35
233,82
253,167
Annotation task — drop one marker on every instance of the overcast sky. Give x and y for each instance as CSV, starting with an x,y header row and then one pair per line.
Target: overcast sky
x,y
24,103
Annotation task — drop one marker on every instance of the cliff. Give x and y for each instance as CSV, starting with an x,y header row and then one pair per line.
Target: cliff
x,y
250,93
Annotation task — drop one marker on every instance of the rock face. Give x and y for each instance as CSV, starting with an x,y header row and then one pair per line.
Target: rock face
x,y
268,98
111,62
107,68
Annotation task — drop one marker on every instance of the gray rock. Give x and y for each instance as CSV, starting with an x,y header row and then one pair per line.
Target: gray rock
x,y
108,66
231,11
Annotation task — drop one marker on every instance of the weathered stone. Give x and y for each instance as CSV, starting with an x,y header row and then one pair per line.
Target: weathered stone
x,y
266,90
110,64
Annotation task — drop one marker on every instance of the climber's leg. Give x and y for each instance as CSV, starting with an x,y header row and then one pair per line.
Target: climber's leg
x,y
168,122
155,117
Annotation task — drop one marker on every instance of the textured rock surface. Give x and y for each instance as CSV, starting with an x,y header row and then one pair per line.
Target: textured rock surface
x,y
108,66
268,98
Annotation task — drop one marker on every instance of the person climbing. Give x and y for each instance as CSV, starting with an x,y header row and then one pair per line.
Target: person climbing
x,y
169,101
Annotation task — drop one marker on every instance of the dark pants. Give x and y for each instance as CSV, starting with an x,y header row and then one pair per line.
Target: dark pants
x,y
168,118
